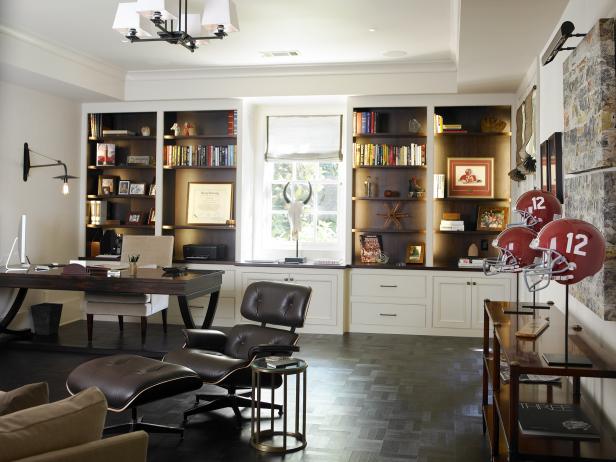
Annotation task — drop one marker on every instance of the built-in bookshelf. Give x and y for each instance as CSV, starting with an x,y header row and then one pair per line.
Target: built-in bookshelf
x,y
389,154
459,134
120,174
204,150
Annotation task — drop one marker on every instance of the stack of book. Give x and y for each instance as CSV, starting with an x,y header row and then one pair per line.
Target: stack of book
x,y
438,123
232,123
366,122
439,185
387,154
452,225
96,125
470,263
118,133
200,156
278,362
453,128
98,212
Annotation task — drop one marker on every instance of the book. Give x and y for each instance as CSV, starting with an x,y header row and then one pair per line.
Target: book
x,y
371,248
470,263
452,126
199,156
389,154
555,421
438,123
118,132
276,362
439,185
105,154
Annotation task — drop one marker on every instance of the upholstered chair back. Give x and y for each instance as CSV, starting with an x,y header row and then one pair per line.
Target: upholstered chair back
x,y
153,250
269,303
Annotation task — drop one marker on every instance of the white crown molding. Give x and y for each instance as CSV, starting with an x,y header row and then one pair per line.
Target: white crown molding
x,y
290,70
64,53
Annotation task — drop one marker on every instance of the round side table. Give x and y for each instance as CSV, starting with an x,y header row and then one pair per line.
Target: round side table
x,y
271,440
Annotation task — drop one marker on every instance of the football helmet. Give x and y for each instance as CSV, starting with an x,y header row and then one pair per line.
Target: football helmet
x,y
571,251
537,209
513,245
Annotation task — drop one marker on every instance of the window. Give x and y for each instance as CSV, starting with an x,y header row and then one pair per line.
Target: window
x,y
320,214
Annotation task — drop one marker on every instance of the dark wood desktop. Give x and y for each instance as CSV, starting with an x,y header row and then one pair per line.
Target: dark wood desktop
x,y
147,281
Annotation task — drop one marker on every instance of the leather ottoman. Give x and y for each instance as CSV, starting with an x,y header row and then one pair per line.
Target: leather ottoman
x,y
128,381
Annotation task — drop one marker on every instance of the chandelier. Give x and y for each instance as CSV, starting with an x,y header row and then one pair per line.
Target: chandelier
x,y
168,21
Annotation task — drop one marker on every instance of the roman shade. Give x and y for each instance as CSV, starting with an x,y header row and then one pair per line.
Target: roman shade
x,y
304,137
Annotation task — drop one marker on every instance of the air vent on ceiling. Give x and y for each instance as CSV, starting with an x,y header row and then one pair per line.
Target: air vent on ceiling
x,y
279,54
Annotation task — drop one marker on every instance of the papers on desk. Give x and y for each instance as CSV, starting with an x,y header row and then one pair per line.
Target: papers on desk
x,y
111,265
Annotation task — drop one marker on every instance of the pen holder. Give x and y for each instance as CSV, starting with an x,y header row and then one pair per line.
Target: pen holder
x,y
132,268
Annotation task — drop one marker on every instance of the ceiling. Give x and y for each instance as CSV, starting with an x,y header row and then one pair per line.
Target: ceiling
x,y
497,39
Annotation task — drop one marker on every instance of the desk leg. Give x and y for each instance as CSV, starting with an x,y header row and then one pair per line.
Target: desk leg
x,y
11,313
185,311
211,310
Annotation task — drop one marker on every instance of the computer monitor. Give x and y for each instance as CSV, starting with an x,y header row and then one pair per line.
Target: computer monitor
x,y
20,243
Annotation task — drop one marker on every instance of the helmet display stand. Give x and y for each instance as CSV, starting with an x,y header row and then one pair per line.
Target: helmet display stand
x,y
533,307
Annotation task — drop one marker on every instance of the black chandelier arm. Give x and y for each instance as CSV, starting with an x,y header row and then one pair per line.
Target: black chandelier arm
x,y
28,165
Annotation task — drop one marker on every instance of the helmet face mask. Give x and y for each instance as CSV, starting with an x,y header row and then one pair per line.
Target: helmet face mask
x,y
504,263
553,264
528,220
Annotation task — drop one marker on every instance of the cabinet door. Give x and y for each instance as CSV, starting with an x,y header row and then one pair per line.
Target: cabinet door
x,y
490,288
323,308
452,302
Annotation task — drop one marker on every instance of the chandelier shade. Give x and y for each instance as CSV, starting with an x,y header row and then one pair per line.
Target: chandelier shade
x,y
168,9
220,13
127,20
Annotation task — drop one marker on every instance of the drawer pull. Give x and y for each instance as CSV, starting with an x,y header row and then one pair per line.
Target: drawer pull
x,y
388,314
468,283
286,279
384,285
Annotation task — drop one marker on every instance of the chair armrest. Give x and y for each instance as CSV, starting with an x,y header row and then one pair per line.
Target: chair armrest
x,y
205,339
272,350
129,447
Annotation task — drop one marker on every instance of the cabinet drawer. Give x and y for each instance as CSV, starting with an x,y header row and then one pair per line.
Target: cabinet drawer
x,y
381,285
388,314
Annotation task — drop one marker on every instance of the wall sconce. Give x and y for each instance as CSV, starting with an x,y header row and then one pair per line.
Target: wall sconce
x,y
28,166
556,45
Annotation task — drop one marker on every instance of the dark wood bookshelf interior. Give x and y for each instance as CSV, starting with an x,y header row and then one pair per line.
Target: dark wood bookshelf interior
x,y
125,145
449,246
392,127
211,129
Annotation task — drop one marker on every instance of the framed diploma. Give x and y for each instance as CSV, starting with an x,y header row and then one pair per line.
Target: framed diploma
x,y
209,203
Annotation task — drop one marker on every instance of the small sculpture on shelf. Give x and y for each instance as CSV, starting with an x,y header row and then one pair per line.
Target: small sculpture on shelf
x,y
415,189
369,187
414,125
393,215
391,193
188,129
175,128
490,124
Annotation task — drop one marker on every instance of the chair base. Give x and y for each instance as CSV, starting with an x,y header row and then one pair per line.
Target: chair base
x,y
232,400
137,423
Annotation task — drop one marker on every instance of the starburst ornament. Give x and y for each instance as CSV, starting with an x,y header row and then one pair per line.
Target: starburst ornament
x,y
393,215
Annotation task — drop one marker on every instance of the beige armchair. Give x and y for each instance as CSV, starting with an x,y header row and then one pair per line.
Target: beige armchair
x,y
154,251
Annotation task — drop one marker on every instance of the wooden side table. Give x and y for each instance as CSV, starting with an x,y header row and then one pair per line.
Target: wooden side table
x,y
271,440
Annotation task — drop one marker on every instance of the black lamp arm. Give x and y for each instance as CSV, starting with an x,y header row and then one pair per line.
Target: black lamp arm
x,y
28,165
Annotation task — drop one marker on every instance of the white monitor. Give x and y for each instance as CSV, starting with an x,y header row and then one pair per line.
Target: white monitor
x,y
19,241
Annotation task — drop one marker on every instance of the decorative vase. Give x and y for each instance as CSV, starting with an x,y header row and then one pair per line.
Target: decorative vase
x,y
192,131
132,268
145,131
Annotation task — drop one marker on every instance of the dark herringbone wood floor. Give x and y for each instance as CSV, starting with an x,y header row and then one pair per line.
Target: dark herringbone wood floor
x,y
370,398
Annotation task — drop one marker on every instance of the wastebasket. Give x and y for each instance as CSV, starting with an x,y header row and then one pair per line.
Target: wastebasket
x,y
46,318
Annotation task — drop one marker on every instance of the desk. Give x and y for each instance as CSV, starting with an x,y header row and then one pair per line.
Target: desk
x,y
147,281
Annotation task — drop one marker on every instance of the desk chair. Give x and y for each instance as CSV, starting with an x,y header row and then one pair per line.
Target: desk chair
x,y
224,359
154,251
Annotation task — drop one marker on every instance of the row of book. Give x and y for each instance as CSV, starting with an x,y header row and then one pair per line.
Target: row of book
x,y
441,127
439,185
200,156
98,212
95,122
232,123
387,154
452,225
367,122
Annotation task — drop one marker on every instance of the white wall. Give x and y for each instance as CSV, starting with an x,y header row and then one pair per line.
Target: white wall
x,y
584,14
50,125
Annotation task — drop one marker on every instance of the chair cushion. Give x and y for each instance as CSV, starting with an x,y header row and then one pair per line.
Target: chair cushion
x,y
243,337
130,380
102,297
276,303
211,366
33,394
73,421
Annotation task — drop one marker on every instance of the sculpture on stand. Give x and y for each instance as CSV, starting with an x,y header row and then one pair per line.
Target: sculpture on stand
x,y
296,208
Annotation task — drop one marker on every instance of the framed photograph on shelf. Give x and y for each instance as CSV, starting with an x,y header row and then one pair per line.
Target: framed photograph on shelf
x,y
492,218
415,254
471,177
124,187
209,203
371,248
152,190
544,158
137,189
555,162
152,216
105,154
107,185
134,218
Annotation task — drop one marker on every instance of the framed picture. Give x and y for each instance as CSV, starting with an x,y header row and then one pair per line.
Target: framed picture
x,y
209,203
492,218
152,191
470,177
105,154
134,218
124,187
107,184
137,188
415,254
152,216
544,160
371,248
555,163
